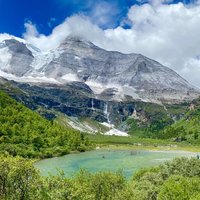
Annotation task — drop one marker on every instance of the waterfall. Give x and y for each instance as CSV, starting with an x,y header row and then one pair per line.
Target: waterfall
x,y
134,114
92,104
106,113
168,114
165,108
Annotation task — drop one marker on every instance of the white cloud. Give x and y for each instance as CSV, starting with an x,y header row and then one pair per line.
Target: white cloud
x,y
167,33
191,71
75,25
31,30
104,13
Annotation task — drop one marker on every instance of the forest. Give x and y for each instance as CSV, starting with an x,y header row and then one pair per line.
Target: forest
x,y
25,133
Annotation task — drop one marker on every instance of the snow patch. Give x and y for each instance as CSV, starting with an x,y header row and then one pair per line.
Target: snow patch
x,y
9,37
28,79
38,79
116,132
120,91
40,60
107,125
70,77
77,58
95,86
5,57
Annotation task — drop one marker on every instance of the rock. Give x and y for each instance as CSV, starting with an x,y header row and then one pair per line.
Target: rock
x,y
109,75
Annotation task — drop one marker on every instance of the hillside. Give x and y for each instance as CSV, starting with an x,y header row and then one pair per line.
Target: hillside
x,y
79,80
25,133
72,103
186,129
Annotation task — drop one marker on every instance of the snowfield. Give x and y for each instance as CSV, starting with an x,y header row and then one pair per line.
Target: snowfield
x,y
116,132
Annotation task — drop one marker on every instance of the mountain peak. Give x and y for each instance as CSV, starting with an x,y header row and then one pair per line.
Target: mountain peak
x,y
77,59
78,41
76,38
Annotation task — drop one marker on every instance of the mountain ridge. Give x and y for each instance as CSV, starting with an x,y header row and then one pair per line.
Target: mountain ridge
x,y
110,74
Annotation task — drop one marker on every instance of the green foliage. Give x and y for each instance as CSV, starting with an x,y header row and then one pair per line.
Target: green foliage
x,y
157,183
187,129
175,180
99,186
120,140
152,118
180,188
25,133
174,122
18,178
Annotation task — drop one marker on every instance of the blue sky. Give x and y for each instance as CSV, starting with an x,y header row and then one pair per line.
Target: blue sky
x,y
46,14
49,13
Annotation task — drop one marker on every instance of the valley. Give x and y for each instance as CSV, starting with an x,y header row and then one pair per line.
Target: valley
x,y
82,113
78,97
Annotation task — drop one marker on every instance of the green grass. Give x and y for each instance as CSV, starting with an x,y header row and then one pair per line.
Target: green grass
x,y
95,124
177,109
104,139
120,142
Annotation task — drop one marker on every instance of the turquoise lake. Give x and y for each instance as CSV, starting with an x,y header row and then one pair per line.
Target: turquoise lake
x,y
129,161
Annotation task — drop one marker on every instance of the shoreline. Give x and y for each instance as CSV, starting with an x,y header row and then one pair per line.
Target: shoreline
x,y
187,148
153,158
139,147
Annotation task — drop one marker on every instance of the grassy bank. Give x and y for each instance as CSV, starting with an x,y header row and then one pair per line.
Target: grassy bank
x,y
119,142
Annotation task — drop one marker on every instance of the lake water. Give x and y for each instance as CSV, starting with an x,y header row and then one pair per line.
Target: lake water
x,y
108,160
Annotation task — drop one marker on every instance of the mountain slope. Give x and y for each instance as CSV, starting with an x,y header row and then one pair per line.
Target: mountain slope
x,y
186,129
75,102
81,80
24,132
110,75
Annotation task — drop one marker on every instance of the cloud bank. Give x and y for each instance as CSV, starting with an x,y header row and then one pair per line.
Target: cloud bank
x,y
168,33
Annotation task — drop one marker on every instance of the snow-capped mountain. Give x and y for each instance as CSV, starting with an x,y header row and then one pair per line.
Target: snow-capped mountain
x,y
111,75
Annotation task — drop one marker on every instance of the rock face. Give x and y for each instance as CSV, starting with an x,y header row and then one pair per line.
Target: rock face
x,y
73,100
77,101
15,58
108,75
